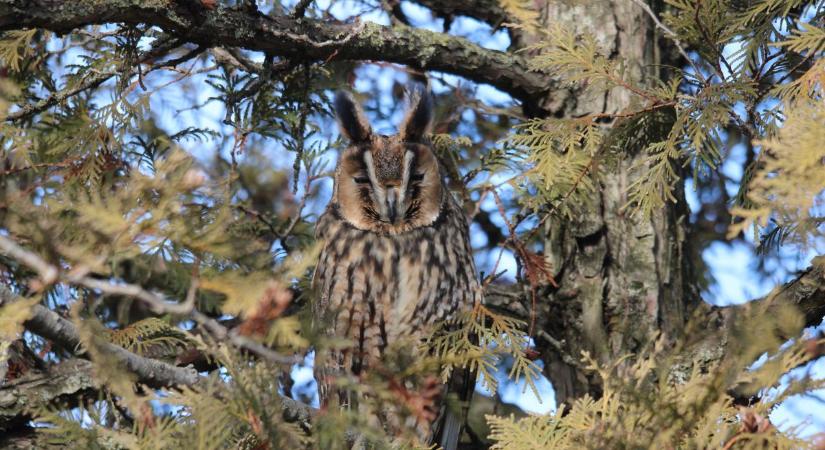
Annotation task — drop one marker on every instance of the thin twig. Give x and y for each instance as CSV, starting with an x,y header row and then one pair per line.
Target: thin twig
x,y
707,38
92,82
48,273
590,118
234,57
561,351
60,164
302,123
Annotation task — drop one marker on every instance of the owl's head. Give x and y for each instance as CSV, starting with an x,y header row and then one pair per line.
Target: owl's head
x,y
387,184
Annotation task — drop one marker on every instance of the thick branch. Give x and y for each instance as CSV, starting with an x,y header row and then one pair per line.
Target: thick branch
x,y
63,382
807,293
149,371
71,380
296,39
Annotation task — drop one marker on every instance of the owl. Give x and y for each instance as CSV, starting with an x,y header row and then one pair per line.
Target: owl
x,y
396,257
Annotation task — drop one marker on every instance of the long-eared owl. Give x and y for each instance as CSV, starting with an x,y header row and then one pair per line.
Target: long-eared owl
x,y
396,256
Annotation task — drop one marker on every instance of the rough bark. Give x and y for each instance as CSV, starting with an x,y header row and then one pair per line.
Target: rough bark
x,y
65,382
622,279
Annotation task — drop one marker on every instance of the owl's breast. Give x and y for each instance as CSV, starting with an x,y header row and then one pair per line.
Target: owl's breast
x,y
383,287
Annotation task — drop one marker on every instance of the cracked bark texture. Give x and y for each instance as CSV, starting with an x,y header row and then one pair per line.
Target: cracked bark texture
x,y
622,279
65,382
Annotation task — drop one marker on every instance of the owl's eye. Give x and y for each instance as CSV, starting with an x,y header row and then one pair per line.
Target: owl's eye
x,y
361,180
417,177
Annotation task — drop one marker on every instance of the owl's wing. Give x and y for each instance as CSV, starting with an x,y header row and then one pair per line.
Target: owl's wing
x,y
452,419
322,233
322,370
455,404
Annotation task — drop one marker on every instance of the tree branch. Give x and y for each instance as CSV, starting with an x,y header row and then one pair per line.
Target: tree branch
x,y
806,293
153,373
300,40
73,378
65,381
96,79
49,274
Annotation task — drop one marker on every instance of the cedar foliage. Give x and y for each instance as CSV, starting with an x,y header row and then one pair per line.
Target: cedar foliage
x,y
105,182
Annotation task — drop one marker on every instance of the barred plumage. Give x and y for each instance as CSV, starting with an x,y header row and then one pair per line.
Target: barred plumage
x,y
386,286
396,256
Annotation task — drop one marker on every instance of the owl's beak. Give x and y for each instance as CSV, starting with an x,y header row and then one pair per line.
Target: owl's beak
x,y
393,199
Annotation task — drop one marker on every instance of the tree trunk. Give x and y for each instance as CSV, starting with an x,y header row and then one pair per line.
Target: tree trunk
x,y
623,280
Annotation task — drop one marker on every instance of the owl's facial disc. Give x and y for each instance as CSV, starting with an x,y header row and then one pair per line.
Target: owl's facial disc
x,y
389,193
387,184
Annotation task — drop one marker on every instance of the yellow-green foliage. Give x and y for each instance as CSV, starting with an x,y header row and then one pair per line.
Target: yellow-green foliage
x,y
12,316
150,334
479,339
679,122
15,47
650,402
245,400
524,15
789,183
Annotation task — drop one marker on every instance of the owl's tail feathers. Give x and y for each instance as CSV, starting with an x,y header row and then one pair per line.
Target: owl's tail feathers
x,y
454,408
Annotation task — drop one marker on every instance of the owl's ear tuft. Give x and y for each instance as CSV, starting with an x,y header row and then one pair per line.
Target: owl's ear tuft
x,y
351,119
416,123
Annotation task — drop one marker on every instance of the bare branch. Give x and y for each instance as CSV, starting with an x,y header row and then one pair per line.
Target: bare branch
x,y
49,274
50,325
234,58
65,381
